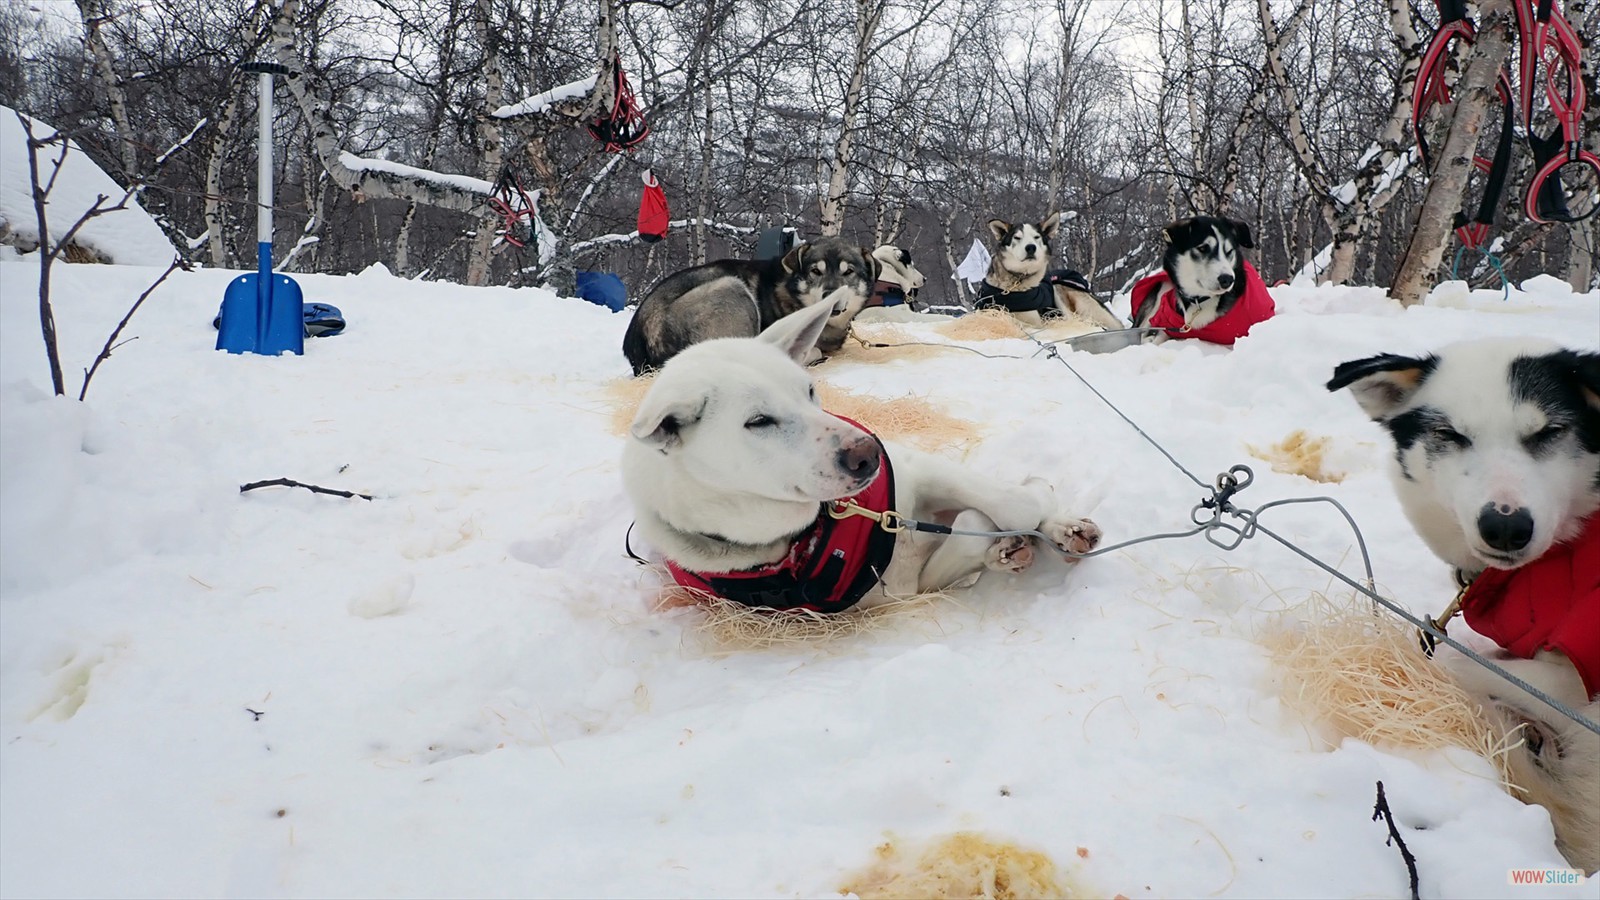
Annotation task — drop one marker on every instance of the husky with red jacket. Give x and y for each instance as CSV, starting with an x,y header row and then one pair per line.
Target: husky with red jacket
x,y
1497,465
1205,289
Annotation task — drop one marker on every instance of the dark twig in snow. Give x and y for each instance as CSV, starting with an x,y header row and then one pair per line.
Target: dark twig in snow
x,y
285,482
1382,809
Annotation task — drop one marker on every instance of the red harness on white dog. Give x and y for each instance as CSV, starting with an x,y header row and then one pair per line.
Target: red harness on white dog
x,y
830,566
1552,603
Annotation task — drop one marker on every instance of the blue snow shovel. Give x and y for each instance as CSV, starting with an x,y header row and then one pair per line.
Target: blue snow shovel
x,y
261,312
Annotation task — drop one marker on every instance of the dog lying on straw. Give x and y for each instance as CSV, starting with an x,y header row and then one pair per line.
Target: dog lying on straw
x,y
752,492
1497,466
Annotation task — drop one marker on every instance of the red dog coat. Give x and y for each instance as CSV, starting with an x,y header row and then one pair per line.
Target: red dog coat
x,y
1552,603
1255,305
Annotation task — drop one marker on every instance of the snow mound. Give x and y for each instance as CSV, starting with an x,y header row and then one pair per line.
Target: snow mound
x,y
128,236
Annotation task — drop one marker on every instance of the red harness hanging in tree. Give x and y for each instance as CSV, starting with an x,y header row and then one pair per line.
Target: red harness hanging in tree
x,y
624,127
1543,35
517,207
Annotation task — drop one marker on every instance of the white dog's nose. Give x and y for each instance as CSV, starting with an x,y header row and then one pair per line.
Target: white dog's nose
x,y
859,459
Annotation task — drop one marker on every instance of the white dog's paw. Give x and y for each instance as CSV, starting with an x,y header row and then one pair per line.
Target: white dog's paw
x,y
1013,553
1073,535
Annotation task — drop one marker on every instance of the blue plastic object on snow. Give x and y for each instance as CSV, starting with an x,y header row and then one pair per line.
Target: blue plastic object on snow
x,y
603,289
261,311
321,319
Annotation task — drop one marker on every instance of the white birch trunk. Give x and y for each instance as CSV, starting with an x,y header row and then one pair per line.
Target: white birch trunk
x,y
479,252
215,212
1376,182
868,14
95,14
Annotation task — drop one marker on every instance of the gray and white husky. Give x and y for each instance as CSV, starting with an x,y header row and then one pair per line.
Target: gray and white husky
x,y
1497,465
1016,279
740,297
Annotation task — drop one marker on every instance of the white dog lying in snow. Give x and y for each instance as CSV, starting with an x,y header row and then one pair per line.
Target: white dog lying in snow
x,y
737,477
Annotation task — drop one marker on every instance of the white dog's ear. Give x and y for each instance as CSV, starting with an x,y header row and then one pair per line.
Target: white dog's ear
x,y
796,334
1048,226
1382,383
661,418
998,229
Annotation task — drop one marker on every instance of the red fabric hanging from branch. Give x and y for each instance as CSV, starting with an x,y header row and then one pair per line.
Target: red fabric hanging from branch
x,y
653,214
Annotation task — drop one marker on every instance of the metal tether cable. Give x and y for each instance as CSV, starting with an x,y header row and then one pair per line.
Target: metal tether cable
x,y
1209,518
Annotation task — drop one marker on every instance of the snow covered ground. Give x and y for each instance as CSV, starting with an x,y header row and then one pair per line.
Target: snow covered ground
x,y
461,688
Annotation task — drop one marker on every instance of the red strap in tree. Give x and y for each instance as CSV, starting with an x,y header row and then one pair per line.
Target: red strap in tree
x,y
624,127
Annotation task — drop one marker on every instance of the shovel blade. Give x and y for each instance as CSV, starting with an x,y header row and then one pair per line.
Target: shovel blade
x,y
261,313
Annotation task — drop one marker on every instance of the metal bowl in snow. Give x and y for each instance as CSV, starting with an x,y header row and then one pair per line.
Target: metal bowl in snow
x,y
1111,341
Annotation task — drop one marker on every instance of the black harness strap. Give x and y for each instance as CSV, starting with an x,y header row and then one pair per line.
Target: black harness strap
x,y
1041,298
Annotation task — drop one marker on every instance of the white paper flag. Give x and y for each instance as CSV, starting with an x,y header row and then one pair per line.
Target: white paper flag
x,y
975,266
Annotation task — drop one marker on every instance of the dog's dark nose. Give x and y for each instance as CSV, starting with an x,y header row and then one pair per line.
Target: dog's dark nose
x,y
1030,250
1504,528
859,460
1225,280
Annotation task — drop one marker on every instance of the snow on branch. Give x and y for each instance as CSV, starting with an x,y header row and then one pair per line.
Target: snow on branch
x,y
368,178
591,245
394,170
1377,175
540,104
581,100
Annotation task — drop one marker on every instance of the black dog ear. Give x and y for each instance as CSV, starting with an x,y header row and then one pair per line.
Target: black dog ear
x,y
1174,232
1241,234
998,229
1585,367
795,259
873,264
1382,383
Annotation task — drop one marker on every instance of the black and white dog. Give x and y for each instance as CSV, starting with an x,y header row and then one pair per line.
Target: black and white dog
x,y
1017,280
740,298
1205,288
899,279
1497,465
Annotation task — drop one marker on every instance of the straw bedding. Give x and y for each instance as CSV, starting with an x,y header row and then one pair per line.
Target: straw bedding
x,y
963,865
1363,675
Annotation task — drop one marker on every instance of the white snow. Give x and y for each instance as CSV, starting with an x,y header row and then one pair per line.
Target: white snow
x,y
540,103
462,182
460,688
128,236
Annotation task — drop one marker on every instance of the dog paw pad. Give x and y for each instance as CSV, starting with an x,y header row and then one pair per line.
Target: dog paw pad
x,y
1074,536
1010,554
